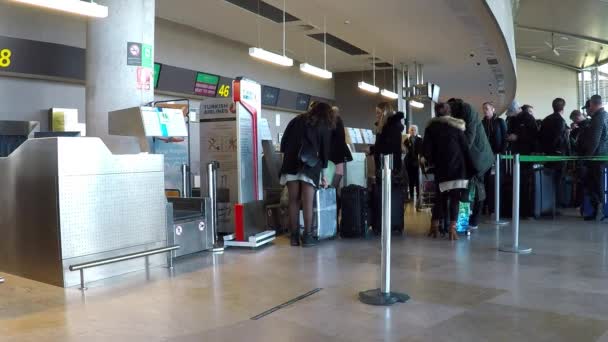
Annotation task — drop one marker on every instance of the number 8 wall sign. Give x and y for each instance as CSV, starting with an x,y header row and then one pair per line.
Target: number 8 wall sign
x,y
48,60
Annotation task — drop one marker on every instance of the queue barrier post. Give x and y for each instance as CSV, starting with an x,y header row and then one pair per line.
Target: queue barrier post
x,y
212,189
515,247
383,296
497,170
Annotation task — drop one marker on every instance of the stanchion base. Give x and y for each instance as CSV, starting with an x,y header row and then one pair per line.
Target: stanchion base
x,y
375,297
517,250
216,249
1,280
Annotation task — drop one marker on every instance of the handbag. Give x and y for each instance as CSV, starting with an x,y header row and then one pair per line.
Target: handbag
x,y
308,155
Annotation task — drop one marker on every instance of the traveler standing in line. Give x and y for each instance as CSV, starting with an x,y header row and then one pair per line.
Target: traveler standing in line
x,y
496,131
413,146
339,155
554,141
480,152
513,111
522,135
580,124
445,147
595,143
306,148
388,138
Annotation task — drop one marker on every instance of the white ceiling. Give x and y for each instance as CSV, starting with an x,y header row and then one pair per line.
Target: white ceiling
x,y
571,20
441,34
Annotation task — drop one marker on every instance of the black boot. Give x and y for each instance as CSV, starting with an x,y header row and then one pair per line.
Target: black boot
x,y
308,240
295,239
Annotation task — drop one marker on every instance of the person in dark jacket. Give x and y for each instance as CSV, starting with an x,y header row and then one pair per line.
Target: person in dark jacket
x,y
522,136
595,143
446,148
579,124
480,152
496,131
554,141
389,130
340,153
306,146
413,146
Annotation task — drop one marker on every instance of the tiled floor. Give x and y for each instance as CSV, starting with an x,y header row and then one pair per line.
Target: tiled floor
x,y
461,291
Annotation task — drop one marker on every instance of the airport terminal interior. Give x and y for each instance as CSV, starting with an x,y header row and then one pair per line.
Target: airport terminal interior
x,y
289,170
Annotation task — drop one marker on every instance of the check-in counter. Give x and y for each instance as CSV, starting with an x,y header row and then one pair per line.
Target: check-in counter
x,y
69,200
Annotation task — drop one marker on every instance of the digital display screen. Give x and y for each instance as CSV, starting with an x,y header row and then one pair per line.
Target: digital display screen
x,y
270,96
206,84
156,74
302,102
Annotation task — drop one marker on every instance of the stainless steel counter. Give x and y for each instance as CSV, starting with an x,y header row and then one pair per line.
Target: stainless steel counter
x,y
69,200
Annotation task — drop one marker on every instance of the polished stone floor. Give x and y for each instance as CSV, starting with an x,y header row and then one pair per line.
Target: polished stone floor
x,y
461,291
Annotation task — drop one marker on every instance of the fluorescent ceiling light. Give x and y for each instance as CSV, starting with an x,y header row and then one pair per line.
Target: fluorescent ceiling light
x,y
313,70
416,104
369,87
86,8
270,57
389,94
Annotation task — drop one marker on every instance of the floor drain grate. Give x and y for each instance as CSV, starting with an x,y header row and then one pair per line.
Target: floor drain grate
x,y
286,304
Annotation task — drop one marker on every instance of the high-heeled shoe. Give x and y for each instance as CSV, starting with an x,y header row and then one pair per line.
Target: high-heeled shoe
x,y
453,233
434,231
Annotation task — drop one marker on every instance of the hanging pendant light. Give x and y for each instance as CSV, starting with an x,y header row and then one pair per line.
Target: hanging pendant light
x,y
313,70
371,87
268,56
86,8
387,93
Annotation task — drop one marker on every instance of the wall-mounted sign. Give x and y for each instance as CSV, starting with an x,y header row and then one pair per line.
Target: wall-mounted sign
x,y
206,84
156,75
270,96
302,102
134,53
225,87
40,58
144,78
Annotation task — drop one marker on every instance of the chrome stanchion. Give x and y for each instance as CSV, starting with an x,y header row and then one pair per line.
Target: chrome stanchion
x,y
185,180
212,190
497,220
383,296
516,248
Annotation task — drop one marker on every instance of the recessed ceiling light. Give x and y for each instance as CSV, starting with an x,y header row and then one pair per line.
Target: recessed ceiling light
x,y
564,38
533,57
346,22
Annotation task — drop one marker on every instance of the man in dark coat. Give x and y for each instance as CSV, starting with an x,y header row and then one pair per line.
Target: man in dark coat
x,y
496,131
595,143
554,141
522,135
413,145
480,151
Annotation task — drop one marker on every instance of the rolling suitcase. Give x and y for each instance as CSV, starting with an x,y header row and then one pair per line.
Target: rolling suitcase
x,y
397,210
355,212
544,192
587,209
325,214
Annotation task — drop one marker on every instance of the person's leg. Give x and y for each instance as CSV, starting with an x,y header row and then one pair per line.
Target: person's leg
x,y
454,206
308,199
293,190
437,213
412,183
489,185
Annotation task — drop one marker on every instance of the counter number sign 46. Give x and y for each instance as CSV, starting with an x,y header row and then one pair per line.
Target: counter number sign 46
x,y
5,58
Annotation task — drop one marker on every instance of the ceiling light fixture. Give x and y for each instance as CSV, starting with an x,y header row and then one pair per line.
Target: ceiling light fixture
x,y
313,70
389,94
416,104
268,56
368,87
80,7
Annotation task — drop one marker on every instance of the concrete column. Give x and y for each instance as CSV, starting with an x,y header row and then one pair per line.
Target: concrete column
x,y
111,84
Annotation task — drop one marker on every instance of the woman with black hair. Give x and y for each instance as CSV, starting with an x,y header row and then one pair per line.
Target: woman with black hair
x,y
306,147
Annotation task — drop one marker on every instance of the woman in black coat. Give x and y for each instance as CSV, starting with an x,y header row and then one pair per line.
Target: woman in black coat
x,y
306,148
389,131
446,148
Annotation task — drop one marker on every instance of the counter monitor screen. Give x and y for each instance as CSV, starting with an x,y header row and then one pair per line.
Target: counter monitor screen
x,y
270,96
206,84
156,75
302,102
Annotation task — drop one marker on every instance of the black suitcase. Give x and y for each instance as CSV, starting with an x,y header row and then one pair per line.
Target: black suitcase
x,y
397,209
544,192
355,212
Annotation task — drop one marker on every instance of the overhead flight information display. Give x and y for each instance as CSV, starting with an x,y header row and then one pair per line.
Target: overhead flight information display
x,y
206,84
270,96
